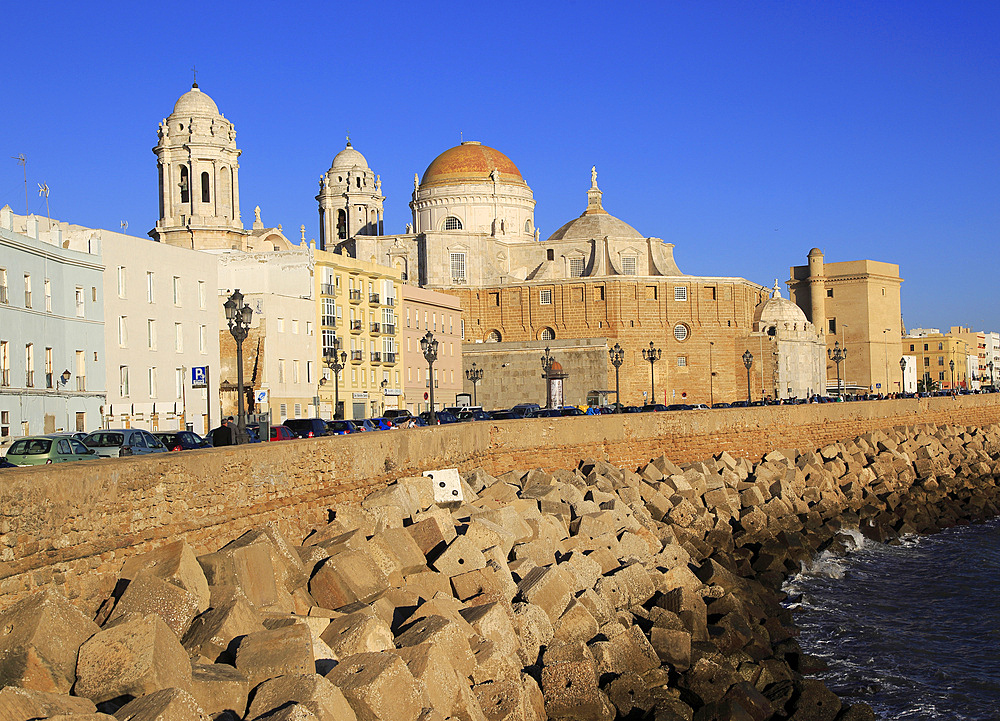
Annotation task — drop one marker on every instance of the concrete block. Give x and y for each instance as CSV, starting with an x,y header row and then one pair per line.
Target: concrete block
x,y
42,635
493,581
433,531
230,617
598,606
627,652
136,657
219,688
534,629
445,633
501,700
21,704
346,578
577,623
358,632
485,533
175,563
278,652
569,685
431,666
447,486
168,704
393,495
378,686
509,518
250,568
582,571
547,588
672,646
147,593
427,584
291,712
461,556
495,621
314,692
394,549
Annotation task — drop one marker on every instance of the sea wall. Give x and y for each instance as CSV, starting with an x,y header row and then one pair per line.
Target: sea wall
x,y
73,527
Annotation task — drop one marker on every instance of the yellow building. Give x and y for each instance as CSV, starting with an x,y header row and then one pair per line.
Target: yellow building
x,y
943,358
857,304
356,315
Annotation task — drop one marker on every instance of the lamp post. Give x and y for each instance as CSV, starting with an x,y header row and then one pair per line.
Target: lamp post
x,y
429,347
383,385
990,366
952,364
902,375
474,375
748,364
238,314
843,343
652,355
617,354
837,355
547,361
335,362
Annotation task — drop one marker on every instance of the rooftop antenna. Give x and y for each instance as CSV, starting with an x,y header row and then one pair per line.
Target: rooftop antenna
x,y
124,225
194,71
43,189
23,162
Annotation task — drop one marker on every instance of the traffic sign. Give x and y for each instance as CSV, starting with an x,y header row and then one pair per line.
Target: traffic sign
x,y
878,385
260,396
199,377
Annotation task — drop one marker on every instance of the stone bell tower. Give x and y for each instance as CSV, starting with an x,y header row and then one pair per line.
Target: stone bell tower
x,y
198,166
350,199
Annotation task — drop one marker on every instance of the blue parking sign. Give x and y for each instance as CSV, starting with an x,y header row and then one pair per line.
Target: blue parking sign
x,y
199,376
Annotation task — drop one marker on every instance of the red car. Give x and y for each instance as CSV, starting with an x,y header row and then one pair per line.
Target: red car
x,y
281,433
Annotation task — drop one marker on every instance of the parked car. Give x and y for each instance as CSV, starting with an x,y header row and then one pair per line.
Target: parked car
x,y
545,413
698,407
523,410
678,407
182,440
78,435
503,415
474,414
649,407
115,442
4,463
571,411
307,427
393,413
342,428
722,405
281,433
41,450
440,417
382,424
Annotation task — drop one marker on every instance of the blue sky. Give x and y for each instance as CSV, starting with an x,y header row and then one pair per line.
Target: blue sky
x,y
744,133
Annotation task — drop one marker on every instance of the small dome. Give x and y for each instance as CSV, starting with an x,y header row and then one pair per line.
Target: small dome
x,y
470,162
591,227
815,251
195,102
777,310
349,158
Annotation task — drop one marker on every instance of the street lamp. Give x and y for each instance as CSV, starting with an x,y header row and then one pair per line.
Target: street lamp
x,y
748,364
990,366
238,314
952,364
335,362
902,375
474,375
383,385
617,354
547,361
837,355
652,355
429,347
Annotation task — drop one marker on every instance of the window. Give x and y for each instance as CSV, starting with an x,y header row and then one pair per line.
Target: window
x,y
201,294
458,267
651,293
680,332
206,193
3,286
80,309
178,382
29,364
829,292
298,410
122,331
121,281
178,338
48,295
452,223
295,371
27,290
81,371
202,332
48,368
927,362
550,254
281,325
123,381
309,328
940,360
4,363
493,336
152,382
682,361
940,346
149,286
295,327
283,408
177,290
545,296
527,226
911,347
309,371
546,334
599,293
680,292
941,376
832,325
629,265
329,312
151,334
925,346
281,370
184,185
710,293
576,267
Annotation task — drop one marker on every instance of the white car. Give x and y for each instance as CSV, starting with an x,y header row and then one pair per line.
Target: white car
x,y
115,442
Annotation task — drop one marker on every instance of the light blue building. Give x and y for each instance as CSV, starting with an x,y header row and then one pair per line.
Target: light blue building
x,y
52,373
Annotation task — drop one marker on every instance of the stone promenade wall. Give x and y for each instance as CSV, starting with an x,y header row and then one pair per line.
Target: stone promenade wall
x,y
73,526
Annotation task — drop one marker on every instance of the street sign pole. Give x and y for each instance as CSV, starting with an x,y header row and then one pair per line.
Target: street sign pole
x,y
208,397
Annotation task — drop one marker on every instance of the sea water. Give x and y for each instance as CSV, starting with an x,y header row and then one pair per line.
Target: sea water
x,y
913,629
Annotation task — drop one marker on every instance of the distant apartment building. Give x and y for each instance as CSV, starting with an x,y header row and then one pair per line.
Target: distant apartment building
x,y
52,355
941,358
992,342
440,314
976,354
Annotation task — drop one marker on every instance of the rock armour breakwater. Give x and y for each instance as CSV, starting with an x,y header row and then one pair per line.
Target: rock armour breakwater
x,y
595,593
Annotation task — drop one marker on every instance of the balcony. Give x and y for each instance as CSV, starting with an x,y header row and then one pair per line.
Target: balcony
x,y
356,356
327,289
354,295
389,357
330,321
375,327
3,294
389,302
376,357
81,383
355,326
29,380
373,298
389,329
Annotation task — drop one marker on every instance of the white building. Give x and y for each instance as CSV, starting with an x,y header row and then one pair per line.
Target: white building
x,y
992,341
51,330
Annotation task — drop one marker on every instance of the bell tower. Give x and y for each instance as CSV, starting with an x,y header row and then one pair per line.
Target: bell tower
x,y
197,161
350,199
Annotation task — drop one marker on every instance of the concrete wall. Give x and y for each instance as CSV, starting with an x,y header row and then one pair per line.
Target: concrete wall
x,y
73,527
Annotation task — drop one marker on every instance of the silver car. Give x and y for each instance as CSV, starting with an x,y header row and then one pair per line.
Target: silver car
x,y
115,442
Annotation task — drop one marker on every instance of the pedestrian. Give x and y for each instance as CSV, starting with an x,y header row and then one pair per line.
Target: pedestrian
x,y
224,435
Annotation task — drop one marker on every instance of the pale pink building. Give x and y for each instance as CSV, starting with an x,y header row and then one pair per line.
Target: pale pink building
x,y
440,314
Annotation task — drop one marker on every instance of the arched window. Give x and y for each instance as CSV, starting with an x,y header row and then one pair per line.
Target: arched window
x,y
185,186
493,336
206,192
452,223
341,224
225,193
527,226
546,334
681,332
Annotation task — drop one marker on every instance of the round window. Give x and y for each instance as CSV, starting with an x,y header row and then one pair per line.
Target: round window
x,y
680,332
